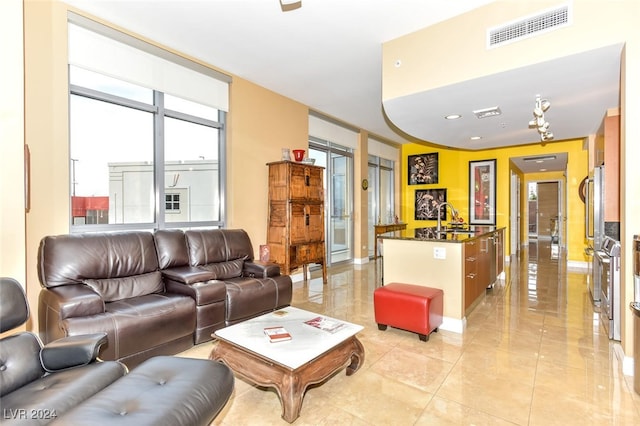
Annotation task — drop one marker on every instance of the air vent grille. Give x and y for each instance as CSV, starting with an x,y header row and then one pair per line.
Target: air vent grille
x,y
529,27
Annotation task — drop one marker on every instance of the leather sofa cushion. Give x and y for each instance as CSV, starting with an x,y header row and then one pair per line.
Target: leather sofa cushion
x,y
112,289
225,270
218,245
70,259
138,324
171,247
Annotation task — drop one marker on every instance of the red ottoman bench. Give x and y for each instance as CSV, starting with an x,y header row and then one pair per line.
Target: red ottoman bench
x,y
409,307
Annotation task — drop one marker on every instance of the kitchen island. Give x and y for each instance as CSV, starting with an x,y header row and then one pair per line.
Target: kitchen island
x,y
461,262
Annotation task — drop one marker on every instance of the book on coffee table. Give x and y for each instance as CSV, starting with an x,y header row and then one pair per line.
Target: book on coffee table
x,y
277,334
327,324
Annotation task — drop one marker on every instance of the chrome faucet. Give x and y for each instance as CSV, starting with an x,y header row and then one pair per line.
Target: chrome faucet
x,y
454,212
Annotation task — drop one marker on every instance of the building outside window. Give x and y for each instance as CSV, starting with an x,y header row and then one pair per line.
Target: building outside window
x,y
140,157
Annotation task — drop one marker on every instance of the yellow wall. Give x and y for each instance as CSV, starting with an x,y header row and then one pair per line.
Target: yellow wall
x,y
596,23
454,176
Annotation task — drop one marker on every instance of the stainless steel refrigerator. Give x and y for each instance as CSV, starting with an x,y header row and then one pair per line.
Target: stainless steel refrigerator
x,y
594,206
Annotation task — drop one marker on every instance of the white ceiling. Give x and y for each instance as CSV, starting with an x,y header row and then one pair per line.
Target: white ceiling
x,y
327,55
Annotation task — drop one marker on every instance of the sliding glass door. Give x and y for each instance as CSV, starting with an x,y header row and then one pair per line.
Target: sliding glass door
x,y
338,164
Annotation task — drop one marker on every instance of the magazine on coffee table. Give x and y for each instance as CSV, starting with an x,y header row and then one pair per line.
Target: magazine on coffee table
x,y
277,334
326,324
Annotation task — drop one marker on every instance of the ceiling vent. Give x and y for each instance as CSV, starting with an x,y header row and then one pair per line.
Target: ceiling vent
x,y
520,29
487,112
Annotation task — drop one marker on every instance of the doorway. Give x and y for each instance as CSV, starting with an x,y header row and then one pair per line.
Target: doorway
x,y
544,213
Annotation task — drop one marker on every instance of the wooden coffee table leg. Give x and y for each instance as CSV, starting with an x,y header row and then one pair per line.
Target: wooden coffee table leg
x,y
357,357
291,392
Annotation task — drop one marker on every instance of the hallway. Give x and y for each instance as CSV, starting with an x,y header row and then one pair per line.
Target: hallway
x,y
533,353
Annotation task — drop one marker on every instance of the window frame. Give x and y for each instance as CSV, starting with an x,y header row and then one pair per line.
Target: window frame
x,y
159,188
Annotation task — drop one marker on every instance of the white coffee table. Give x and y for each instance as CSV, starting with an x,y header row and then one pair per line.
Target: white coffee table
x,y
311,356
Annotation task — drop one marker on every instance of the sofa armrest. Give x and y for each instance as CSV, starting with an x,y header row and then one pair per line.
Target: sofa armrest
x,y
72,351
76,300
259,269
57,304
187,274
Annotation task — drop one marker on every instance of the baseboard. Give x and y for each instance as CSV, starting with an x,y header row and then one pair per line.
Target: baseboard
x,y
361,260
628,364
453,325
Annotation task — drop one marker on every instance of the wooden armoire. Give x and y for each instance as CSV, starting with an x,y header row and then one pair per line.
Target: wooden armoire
x,y
295,228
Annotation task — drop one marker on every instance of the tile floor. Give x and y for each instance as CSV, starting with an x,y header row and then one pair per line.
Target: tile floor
x,y
533,353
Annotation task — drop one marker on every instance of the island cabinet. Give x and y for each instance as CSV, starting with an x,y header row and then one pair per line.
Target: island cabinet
x,y
462,265
295,228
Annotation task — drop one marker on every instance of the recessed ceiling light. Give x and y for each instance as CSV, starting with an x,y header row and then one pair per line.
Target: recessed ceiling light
x,y
543,170
475,138
453,116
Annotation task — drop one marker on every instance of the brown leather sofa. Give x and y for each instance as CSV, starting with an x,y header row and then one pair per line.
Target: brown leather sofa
x,y
153,293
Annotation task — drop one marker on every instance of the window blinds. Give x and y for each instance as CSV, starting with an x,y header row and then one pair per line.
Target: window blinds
x,y
331,132
383,150
117,57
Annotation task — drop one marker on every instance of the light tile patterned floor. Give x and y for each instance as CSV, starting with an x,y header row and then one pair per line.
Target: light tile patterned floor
x,y
533,353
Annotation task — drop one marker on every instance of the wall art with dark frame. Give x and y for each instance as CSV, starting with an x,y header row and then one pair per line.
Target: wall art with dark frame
x,y
427,202
423,168
482,192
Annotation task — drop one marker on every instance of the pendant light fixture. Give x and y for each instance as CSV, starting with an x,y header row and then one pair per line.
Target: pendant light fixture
x,y
538,122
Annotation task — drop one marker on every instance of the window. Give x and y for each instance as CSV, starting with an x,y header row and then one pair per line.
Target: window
x,y
172,203
147,145
120,132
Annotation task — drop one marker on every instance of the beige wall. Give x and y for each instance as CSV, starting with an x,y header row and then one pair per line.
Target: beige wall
x,y
12,200
46,130
462,40
596,23
260,124
412,261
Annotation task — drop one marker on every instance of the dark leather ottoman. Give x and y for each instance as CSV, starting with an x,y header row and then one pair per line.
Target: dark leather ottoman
x,y
409,307
161,391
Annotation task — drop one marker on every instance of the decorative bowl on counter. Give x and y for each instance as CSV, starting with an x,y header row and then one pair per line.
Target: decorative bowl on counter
x,y
298,154
309,161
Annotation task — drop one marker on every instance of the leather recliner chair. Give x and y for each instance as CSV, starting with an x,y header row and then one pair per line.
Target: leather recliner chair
x,y
60,383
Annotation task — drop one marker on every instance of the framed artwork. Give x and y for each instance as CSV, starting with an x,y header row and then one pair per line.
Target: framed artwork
x,y
482,192
423,168
427,202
